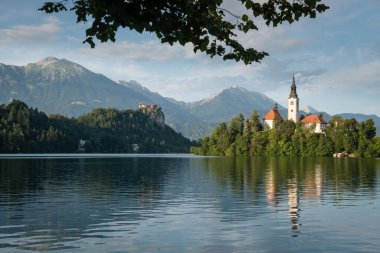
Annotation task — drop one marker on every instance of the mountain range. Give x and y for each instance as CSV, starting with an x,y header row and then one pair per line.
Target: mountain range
x,y
59,86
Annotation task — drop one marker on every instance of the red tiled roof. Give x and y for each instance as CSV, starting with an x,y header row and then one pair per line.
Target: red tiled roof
x,y
313,119
271,115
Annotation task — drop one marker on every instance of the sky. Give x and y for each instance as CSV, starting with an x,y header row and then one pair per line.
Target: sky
x,y
335,58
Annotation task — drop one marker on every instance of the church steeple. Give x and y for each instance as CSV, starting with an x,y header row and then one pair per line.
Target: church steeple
x,y
293,102
293,89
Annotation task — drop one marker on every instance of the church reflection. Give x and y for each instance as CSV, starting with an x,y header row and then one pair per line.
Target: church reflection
x,y
302,183
283,182
270,188
293,203
273,192
127,192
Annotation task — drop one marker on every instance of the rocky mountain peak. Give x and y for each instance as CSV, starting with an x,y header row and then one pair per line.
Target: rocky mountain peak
x,y
46,61
233,90
56,69
236,88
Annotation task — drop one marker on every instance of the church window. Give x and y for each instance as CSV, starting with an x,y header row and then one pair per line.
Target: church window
x,y
292,103
291,110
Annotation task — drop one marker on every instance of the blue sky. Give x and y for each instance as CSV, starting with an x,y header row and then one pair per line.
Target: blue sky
x,y
335,57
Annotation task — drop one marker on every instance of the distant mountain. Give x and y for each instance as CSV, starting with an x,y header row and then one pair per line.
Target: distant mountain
x,y
58,86
360,117
310,110
61,86
176,113
229,102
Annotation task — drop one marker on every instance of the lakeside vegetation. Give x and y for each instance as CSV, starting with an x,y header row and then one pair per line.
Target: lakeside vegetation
x,y
27,130
250,137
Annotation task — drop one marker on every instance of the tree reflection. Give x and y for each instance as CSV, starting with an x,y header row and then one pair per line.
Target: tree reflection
x,y
63,199
293,180
70,199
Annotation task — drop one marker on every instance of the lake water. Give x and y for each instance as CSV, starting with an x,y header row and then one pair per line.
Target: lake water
x,y
178,203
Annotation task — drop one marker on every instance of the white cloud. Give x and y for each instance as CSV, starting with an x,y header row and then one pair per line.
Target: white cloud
x,y
348,89
192,88
151,50
361,77
271,40
30,33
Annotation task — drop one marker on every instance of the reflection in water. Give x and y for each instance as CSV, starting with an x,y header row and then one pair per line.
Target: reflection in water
x,y
52,202
286,179
270,187
189,204
271,192
293,203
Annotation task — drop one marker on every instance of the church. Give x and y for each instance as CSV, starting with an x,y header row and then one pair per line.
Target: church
x,y
293,113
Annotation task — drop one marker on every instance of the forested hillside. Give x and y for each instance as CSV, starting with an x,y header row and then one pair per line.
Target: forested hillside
x,y
250,137
27,130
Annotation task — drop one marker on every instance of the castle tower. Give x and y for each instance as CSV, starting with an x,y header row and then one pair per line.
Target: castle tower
x,y
293,103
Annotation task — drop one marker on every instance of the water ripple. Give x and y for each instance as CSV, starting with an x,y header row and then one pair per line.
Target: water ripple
x,y
186,204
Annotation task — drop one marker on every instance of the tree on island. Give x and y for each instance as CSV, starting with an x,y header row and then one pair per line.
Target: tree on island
x,y
287,138
206,24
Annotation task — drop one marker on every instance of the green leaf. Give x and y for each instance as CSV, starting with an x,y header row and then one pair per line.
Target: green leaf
x,y
186,21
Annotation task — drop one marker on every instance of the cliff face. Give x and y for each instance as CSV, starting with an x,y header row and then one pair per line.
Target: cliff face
x,y
154,112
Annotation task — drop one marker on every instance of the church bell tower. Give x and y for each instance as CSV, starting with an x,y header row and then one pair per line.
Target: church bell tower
x,y
293,103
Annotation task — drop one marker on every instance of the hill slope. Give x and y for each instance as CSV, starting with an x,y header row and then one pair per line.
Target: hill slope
x,y
23,129
63,87
230,102
177,114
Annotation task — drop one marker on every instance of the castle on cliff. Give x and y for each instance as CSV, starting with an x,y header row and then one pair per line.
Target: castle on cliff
x,y
310,120
154,112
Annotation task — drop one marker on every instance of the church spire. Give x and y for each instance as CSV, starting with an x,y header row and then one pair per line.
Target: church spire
x,y
293,89
293,102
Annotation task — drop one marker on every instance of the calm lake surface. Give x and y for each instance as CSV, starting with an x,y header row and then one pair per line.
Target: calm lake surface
x,y
189,204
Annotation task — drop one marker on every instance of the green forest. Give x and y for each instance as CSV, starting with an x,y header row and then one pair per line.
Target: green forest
x,y
249,137
27,130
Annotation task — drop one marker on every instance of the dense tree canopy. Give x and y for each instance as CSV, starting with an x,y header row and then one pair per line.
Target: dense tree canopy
x,y
249,137
26,130
207,24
